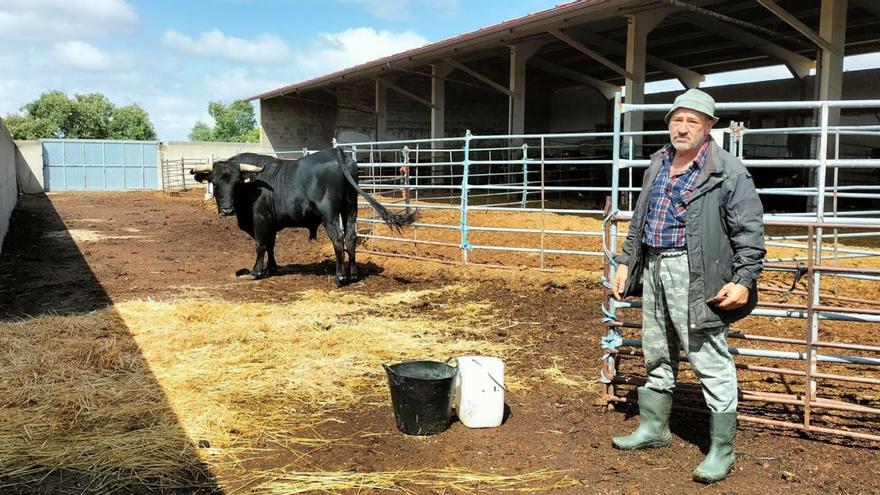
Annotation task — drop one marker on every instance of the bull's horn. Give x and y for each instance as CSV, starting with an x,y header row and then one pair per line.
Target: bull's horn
x,y
202,167
244,167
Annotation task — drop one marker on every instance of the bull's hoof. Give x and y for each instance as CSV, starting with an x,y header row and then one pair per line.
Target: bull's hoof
x,y
341,282
245,274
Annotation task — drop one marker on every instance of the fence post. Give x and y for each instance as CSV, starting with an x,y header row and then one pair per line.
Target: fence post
x,y
465,165
209,192
405,171
182,175
525,165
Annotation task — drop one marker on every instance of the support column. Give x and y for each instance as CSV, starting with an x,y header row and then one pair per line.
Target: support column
x,y
439,71
519,55
638,27
381,111
829,70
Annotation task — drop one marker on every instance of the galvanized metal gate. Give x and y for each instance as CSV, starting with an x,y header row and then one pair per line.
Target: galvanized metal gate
x,y
89,165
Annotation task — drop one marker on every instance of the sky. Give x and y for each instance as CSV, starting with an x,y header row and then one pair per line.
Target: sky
x,y
174,57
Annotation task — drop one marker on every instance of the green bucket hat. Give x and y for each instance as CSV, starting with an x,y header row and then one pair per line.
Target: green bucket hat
x,y
694,99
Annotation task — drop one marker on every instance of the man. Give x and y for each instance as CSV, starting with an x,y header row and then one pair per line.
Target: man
x,y
695,247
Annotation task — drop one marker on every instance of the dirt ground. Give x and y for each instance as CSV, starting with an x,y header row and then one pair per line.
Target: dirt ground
x,y
71,253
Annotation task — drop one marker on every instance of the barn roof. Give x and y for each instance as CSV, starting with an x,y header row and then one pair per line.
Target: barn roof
x,y
696,38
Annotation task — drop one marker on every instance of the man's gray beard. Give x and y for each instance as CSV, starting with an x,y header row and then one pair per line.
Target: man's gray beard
x,y
686,147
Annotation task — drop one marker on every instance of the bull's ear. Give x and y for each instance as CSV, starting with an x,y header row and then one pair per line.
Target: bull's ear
x,y
201,176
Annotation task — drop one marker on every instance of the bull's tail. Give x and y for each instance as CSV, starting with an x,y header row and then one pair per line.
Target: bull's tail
x,y
393,220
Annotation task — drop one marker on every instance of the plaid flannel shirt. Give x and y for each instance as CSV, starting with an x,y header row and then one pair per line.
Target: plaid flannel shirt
x,y
665,223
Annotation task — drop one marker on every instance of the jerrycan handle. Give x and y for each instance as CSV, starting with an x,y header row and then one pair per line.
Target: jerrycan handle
x,y
490,376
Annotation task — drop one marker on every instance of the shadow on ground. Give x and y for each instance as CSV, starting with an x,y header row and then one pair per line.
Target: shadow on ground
x,y
44,275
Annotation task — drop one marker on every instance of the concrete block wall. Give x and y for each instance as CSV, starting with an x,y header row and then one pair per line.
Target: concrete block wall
x,y
407,118
355,125
8,189
291,124
483,110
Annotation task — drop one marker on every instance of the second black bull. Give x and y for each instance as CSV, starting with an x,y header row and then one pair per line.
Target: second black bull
x,y
268,194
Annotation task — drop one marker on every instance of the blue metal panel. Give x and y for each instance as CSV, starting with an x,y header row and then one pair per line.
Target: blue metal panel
x,y
134,178
83,164
133,155
93,153
74,178
115,178
113,154
72,153
52,154
95,178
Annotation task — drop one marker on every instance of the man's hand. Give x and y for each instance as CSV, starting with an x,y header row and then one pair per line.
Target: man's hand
x,y
619,281
731,296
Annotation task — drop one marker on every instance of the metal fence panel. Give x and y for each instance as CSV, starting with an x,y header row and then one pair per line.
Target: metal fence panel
x,y
90,165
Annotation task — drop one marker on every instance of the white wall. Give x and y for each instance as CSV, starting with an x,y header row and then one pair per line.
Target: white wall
x,y
199,150
29,166
175,150
8,189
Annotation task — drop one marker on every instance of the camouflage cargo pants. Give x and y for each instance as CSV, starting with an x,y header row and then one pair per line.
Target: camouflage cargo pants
x,y
665,330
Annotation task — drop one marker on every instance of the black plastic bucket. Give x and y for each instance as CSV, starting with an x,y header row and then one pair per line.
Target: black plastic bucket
x,y
421,392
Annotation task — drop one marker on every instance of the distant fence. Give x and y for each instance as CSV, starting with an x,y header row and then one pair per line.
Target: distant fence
x,y
99,165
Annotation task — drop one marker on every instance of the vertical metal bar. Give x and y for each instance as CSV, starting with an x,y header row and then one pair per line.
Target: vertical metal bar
x,y
83,161
417,175
815,277
629,170
543,205
733,133
810,388
835,278
525,172
465,164
104,162
182,174
612,242
64,164
405,170
615,179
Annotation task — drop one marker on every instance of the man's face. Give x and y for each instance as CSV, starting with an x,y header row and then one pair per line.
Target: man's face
x,y
688,129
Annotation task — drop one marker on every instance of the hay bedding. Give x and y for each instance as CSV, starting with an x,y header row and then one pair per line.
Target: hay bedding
x,y
150,393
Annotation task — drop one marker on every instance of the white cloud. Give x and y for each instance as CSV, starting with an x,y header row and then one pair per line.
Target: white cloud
x,y
402,9
236,83
83,56
334,51
56,20
265,48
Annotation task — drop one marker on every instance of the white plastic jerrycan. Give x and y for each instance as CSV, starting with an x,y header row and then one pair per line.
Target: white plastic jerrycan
x,y
479,390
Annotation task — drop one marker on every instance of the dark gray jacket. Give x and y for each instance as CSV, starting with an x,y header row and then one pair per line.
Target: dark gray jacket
x,y
725,236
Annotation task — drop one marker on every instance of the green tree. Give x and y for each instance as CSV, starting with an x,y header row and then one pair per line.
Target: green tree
x,y
201,132
90,116
131,122
232,123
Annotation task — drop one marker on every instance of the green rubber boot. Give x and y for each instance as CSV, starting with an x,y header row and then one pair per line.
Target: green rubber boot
x,y
653,430
719,461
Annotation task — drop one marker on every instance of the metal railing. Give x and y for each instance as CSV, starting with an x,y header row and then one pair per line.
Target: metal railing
x,y
539,200
852,368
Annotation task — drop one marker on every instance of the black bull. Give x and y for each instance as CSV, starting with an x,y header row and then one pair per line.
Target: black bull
x,y
268,194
